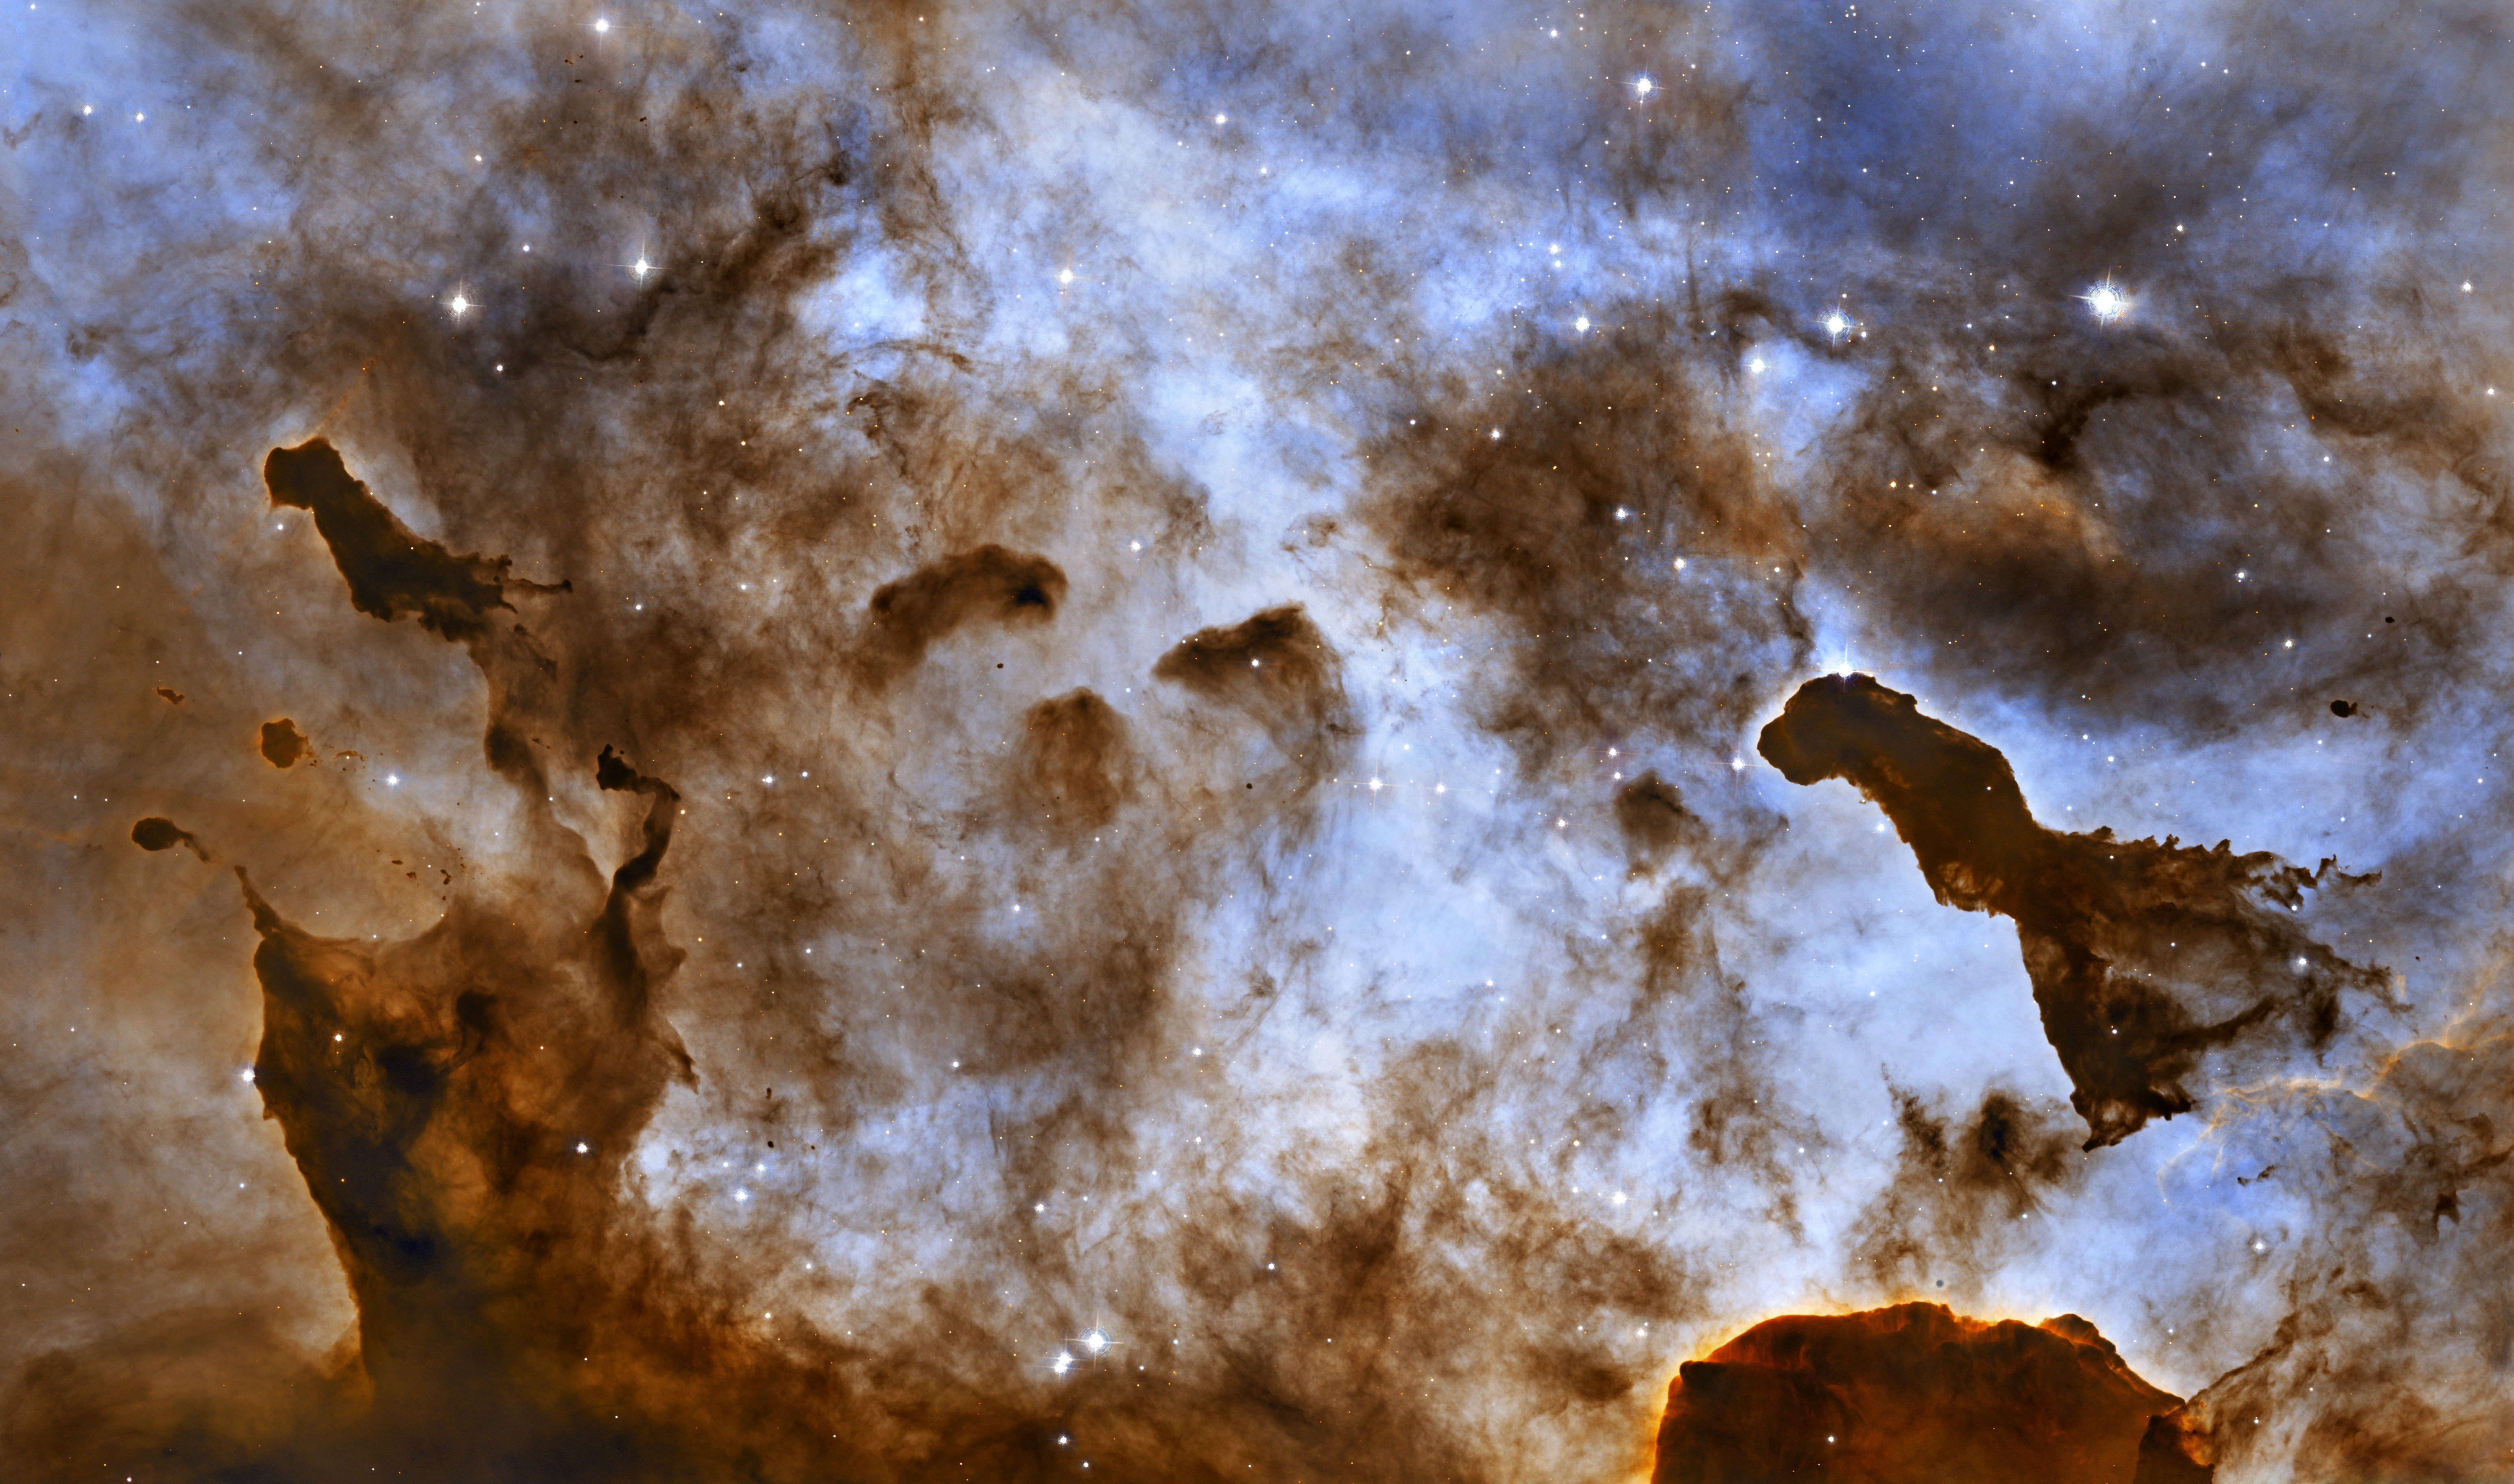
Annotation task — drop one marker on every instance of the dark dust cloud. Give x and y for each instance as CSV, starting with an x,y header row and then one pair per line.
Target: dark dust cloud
x,y
1201,743
1910,1392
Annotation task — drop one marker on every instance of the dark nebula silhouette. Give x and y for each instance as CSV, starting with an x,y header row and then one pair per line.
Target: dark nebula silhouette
x,y
283,745
391,573
159,833
1043,735
985,584
1912,1394
1078,763
2144,955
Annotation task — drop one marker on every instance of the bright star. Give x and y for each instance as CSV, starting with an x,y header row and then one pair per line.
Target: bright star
x,y
459,304
2108,302
1643,86
1835,324
641,267
601,25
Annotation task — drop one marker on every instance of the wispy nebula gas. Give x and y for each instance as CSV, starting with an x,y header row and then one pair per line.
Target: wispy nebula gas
x,y
1195,743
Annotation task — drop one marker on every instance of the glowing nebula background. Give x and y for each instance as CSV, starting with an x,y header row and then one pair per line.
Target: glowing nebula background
x,y
801,743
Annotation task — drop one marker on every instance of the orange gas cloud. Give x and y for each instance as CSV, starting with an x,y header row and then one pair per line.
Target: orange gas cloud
x,y
1911,1394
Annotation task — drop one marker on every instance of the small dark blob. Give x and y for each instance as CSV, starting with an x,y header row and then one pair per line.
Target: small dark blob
x,y
1904,1395
283,745
611,772
2145,956
987,583
2173,1452
2343,708
157,832
1078,764
170,695
2387,618
392,571
1653,819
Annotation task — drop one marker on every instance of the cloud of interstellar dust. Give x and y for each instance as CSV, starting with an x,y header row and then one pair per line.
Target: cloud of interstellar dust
x,y
2145,956
1908,1392
792,744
